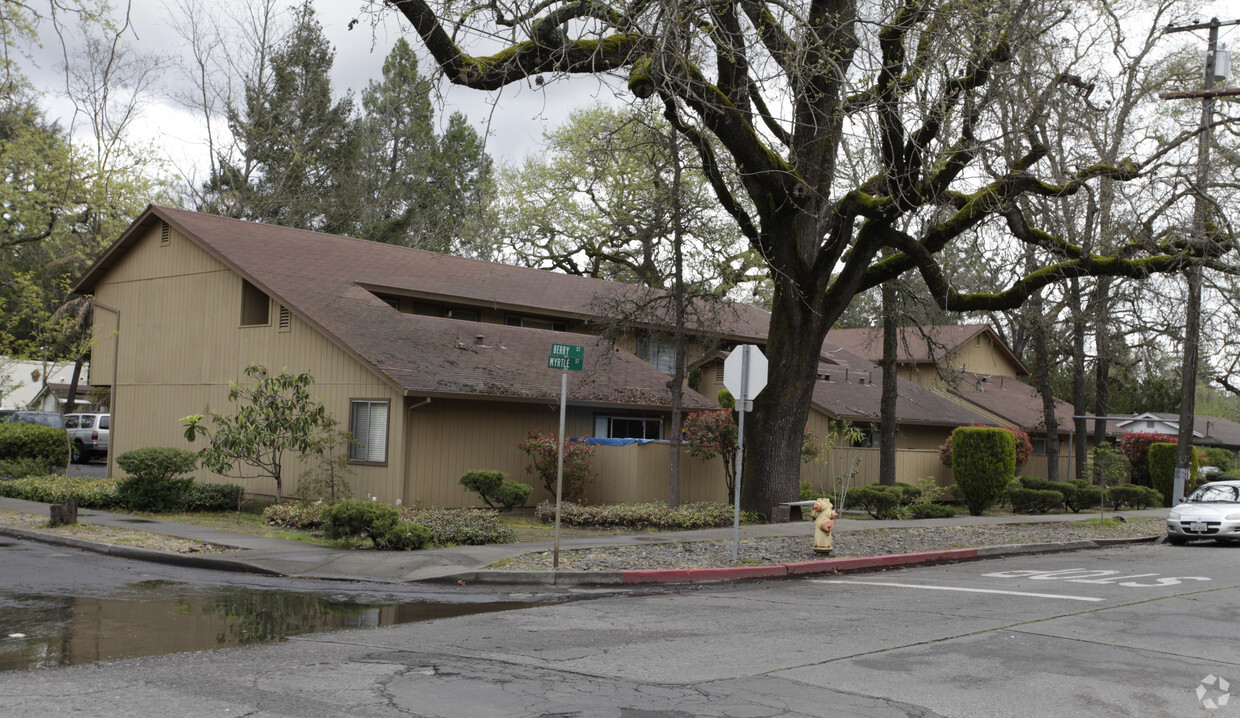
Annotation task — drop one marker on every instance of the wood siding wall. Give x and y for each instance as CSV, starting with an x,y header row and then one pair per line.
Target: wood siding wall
x,y
180,342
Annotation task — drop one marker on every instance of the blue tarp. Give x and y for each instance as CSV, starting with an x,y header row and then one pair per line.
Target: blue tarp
x,y
614,442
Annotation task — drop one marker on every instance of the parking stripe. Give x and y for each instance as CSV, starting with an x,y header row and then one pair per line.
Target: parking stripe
x,y
965,590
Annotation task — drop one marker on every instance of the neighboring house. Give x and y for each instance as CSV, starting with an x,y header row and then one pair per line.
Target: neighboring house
x,y
1210,431
933,356
849,389
40,386
971,365
437,364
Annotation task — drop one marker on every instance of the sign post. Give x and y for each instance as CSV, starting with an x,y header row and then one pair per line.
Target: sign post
x,y
566,358
744,374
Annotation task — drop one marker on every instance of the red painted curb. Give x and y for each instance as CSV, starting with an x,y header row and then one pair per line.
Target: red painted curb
x,y
837,565
701,575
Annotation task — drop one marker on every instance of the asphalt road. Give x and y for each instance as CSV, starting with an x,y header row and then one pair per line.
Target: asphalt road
x,y
1119,632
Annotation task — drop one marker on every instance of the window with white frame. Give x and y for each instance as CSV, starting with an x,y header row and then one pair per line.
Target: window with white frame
x,y
368,421
628,427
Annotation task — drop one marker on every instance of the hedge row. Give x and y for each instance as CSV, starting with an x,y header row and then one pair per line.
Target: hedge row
x,y
104,494
448,527
655,514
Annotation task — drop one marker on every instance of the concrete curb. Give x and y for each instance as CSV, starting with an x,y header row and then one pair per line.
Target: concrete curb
x,y
784,570
612,578
141,554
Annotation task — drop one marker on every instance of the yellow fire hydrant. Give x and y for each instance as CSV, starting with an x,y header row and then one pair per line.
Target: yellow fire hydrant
x,y
824,515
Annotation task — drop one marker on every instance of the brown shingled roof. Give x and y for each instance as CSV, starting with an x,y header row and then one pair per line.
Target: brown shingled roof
x,y
1016,401
917,344
322,278
854,391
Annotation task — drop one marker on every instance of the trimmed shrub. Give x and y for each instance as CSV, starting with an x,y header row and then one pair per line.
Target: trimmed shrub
x,y
382,524
495,488
153,483
354,518
1029,501
21,468
1134,497
1162,469
301,515
89,493
1020,439
211,497
401,536
512,494
880,502
875,501
461,527
983,462
1083,496
655,514
925,510
1077,494
35,449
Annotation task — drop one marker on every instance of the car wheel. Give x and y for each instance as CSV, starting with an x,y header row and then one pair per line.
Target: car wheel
x,y
1176,540
77,454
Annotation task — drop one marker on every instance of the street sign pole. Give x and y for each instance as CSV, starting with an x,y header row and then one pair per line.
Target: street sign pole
x,y
740,453
559,472
566,358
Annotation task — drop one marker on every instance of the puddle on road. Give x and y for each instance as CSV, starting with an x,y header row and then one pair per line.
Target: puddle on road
x,y
137,521
158,617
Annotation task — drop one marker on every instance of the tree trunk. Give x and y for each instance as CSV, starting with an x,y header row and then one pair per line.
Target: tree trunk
x,y
1041,358
891,392
773,432
71,399
1102,365
1079,409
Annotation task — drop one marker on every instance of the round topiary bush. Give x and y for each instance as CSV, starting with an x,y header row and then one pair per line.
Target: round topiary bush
x,y
983,463
155,481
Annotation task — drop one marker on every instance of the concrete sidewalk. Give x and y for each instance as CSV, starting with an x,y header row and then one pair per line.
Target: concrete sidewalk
x,y
466,563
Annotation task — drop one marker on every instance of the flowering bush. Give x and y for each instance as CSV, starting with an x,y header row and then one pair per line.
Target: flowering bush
x,y
1024,447
1136,448
544,451
655,514
713,433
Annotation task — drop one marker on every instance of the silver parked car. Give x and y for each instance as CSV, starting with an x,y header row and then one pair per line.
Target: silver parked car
x,y
1210,512
88,434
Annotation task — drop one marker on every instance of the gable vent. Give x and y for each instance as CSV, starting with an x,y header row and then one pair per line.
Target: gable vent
x,y
286,319
165,235
719,373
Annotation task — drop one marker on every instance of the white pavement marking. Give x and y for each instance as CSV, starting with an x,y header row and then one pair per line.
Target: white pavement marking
x,y
966,590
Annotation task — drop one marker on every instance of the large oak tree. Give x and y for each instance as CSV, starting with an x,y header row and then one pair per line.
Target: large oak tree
x,y
802,95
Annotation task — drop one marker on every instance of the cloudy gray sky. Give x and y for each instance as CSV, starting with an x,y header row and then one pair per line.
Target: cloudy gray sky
x,y
513,119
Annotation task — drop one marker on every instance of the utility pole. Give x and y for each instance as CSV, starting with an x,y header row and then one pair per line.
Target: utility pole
x,y
1192,322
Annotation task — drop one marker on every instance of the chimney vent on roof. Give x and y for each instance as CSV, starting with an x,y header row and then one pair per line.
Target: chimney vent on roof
x,y
479,339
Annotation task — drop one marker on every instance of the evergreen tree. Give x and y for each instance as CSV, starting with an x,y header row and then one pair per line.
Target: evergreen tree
x,y
295,137
413,188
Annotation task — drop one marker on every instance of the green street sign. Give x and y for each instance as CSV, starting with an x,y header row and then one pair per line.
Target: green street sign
x,y
564,363
568,350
